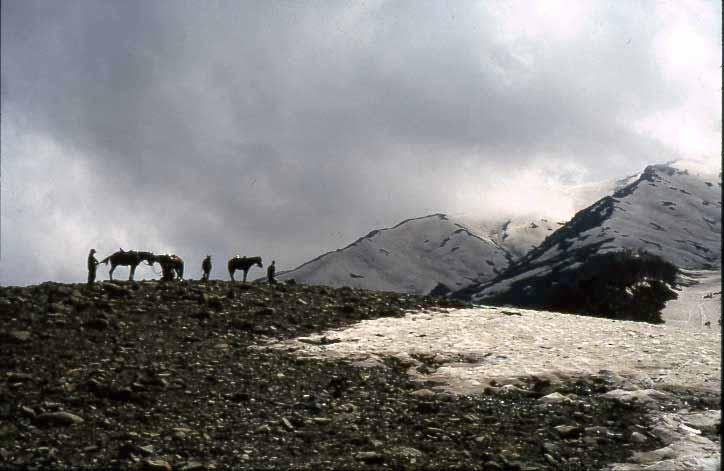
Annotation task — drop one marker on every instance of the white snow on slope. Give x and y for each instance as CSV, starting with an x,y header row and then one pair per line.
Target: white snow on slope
x,y
699,301
486,344
516,235
684,212
668,212
413,256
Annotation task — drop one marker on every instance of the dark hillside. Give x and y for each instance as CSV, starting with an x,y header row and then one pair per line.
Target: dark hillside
x,y
623,285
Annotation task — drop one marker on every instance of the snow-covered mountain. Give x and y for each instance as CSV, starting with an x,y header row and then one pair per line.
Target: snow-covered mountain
x,y
414,256
437,252
668,211
653,210
516,236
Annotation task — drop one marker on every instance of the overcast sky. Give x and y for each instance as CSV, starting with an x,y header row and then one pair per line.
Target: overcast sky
x,y
288,129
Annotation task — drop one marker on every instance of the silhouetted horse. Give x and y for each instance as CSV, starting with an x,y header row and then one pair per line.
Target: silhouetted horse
x,y
243,263
171,265
130,258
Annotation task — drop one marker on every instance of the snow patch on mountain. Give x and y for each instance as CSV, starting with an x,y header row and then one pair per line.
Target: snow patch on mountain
x,y
516,236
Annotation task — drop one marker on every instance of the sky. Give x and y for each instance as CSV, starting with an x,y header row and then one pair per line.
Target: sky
x,y
289,129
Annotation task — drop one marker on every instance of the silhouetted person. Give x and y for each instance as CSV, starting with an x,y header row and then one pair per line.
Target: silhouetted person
x,y
270,273
92,264
206,267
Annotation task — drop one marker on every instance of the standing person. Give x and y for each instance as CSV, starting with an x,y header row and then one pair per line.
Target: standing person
x,y
92,264
206,267
270,273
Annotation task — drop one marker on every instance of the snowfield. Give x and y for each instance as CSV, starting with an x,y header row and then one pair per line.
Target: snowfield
x,y
699,301
483,347
502,344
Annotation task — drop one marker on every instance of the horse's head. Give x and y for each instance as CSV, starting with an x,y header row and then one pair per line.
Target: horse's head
x,y
258,262
148,257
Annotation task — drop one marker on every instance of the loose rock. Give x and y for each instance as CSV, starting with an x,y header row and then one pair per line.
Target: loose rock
x,y
58,418
156,465
370,456
554,398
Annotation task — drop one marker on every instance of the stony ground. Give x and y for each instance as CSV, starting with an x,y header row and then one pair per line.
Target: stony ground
x,y
189,376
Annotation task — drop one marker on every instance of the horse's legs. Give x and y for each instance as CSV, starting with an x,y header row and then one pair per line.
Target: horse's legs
x,y
180,272
245,272
231,274
133,270
110,273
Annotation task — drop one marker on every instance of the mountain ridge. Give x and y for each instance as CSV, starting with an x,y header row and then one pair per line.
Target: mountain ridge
x,y
415,255
569,246
459,253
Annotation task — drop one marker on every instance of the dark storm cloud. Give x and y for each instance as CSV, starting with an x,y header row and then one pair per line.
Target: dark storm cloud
x,y
289,128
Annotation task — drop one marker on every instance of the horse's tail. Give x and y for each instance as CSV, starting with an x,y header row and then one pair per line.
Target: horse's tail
x,y
105,260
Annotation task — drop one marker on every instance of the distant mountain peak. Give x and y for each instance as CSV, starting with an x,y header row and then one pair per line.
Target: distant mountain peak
x,y
667,211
